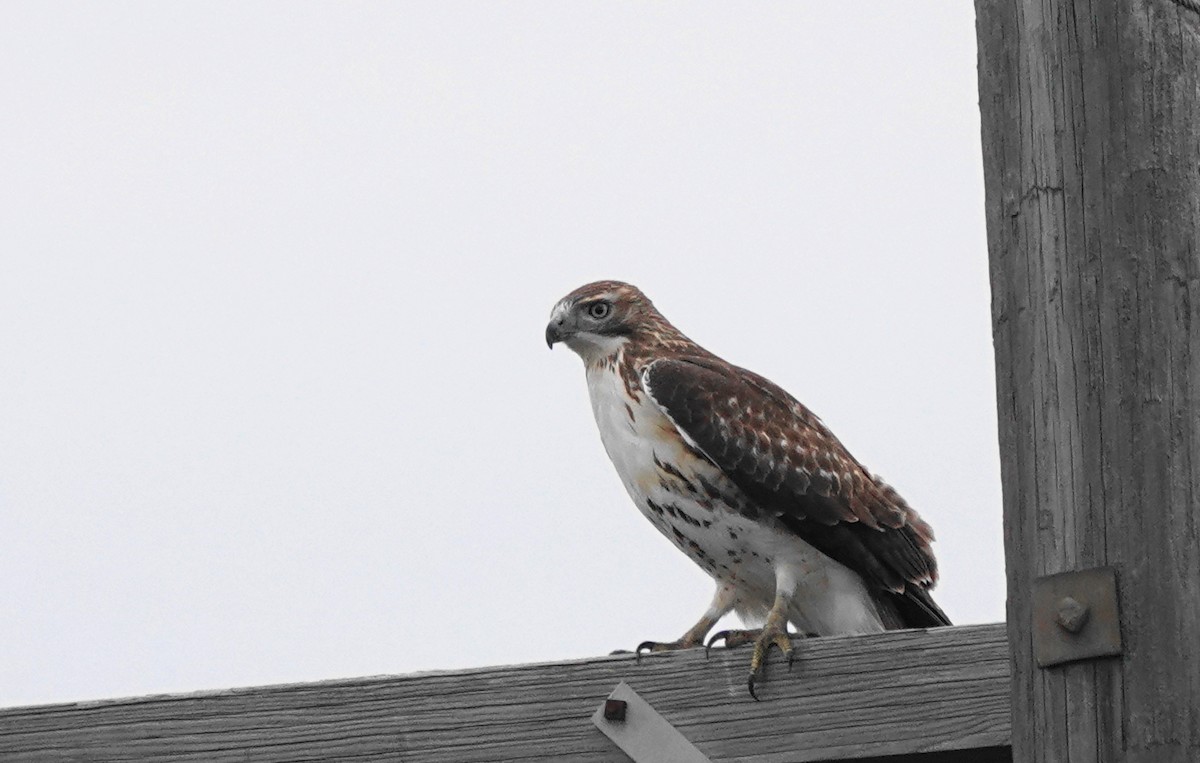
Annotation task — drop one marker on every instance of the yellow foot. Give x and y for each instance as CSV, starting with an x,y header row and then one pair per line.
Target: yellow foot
x,y
763,639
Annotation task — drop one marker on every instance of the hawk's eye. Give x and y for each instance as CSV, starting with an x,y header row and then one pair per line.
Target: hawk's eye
x,y
599,310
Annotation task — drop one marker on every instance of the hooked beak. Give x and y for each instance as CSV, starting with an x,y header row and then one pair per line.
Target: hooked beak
x,y
555,332
561,326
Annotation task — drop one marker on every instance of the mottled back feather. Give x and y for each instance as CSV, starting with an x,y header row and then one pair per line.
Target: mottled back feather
x,y
782,456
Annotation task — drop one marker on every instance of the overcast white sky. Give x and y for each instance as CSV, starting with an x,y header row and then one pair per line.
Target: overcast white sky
x,y
275,403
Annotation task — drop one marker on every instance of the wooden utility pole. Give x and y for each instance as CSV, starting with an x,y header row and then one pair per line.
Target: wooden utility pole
x,y
1091,147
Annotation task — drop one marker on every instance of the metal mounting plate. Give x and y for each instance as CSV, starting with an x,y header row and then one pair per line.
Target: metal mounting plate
x,y
641,733
1075,616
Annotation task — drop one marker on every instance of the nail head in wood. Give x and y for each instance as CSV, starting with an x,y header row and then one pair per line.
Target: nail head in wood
x,y
614,709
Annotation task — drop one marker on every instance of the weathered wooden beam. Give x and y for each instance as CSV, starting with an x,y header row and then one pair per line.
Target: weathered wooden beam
x,y
1091,144
897,693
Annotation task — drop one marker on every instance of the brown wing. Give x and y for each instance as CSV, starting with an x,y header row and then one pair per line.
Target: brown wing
x,y
781,455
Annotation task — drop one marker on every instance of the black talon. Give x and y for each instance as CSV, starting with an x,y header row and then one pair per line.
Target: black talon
x,y
750,685
648,646
714,639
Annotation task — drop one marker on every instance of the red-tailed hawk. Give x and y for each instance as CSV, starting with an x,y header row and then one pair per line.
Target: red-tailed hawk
x,y
747,482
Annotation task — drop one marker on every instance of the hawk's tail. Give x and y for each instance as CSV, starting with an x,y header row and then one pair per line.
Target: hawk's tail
x,y
914,608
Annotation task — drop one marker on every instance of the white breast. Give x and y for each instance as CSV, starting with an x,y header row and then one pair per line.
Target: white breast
x,y
631,428
754,556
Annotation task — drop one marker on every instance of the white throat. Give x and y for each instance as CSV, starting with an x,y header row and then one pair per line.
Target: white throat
x,y
595,348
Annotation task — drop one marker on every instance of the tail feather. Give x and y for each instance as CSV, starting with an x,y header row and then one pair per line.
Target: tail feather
x,y
915,608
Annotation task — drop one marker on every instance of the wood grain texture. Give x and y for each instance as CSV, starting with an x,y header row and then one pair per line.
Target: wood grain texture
x,y
1091,144
894,693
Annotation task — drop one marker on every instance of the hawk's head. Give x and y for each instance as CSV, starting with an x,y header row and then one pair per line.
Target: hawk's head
x,y
595,320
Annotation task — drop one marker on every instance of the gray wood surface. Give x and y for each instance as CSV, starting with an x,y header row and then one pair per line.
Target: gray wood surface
x,y
894,693
1091,145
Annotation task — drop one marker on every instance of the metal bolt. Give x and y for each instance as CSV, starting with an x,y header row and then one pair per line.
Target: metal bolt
x,y
614,709
1072,615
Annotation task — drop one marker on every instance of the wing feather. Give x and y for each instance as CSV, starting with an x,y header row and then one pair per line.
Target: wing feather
x,y
781,455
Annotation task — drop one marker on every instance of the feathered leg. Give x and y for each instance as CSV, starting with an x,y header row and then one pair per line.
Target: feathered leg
x,y
773,633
